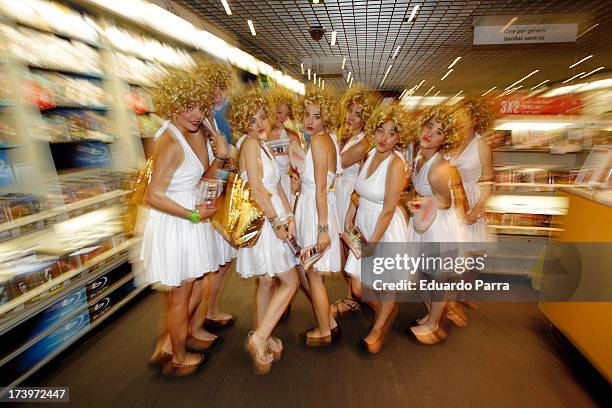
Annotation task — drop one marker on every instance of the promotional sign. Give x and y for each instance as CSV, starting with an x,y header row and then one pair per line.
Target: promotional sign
x,y
325,67
526,29
562,105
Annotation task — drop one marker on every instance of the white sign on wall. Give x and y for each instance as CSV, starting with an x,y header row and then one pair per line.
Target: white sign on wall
x,y
525,34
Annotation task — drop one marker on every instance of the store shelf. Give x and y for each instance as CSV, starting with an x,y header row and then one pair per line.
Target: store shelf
x,y
65,36
100,108
6,145
40,290
522,228
73,339
70,316
64,209
89,75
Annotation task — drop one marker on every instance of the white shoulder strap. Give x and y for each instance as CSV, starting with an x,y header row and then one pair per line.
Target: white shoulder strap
x,y
161,130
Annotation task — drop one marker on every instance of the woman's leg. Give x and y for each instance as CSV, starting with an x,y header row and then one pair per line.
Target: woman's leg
x,y
383,320
163,340
304,282
198,316
320,303
288,284
216,288
178,323
263,295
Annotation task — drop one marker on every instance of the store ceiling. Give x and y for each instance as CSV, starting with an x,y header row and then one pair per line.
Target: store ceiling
x,y
370,31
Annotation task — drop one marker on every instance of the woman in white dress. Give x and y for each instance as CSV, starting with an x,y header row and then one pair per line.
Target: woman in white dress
x,y
439,128
379,185
357,104
474,161
222,78
316,214
271,258
174,235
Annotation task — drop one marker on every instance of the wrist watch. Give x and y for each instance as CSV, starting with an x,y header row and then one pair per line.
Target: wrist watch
x,y
322,228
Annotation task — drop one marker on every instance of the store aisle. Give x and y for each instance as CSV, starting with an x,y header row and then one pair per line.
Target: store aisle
x,y
506,356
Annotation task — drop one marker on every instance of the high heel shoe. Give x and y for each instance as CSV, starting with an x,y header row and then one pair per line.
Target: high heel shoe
x,y
262,364
157,362
375,347
198,345
435,336
311,341
172,369
275,347
220,324
456,316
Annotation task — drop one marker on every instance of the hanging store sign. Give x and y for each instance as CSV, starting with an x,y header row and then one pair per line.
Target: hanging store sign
x,y
563,105
325,67
540,29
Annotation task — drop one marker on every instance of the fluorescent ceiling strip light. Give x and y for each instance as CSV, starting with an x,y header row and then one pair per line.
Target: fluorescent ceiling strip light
x,y
250,23
538,85
581,61
413,14
402,94
454,62
323,85
309,74
348,77
383,80
458,93
343,63
396,51
592,72
489,91
419,85
586,31
388,69
574,77
315,1
447,74
351,84
509,24
319,81
522,79
430,89
436,94
302,67
315,77
334,34
226,7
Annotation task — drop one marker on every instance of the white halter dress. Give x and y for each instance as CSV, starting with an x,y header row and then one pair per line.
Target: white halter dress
x,y
173,249
345,185
284,165
269,256
371,192
307,219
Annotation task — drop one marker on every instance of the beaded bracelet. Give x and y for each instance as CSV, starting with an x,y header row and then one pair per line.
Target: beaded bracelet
x,y
194,217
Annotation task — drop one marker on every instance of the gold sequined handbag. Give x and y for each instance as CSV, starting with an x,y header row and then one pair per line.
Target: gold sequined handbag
x,y
137,199
238,217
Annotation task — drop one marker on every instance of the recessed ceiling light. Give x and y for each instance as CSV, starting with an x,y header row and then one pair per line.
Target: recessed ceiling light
x,y
581,61
447,74
226,7
333,41
592,72
489,91
343,63
250,23
454,62
574,77
414,11
586,31
396,51
315,1
522,79
538,85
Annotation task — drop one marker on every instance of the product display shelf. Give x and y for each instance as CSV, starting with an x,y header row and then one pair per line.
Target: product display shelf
x,y
13,304
67,210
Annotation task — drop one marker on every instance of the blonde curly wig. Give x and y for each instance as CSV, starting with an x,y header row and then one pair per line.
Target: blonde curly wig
x,y
401,123
243,106
281,96
218,74
179,91
326,101
481,112
359,95
451,120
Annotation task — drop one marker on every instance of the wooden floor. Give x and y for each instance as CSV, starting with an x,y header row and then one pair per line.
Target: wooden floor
x,y
507,356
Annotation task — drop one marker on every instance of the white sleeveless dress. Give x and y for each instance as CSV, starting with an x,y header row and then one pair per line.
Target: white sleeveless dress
x,y
173,249
284,165
225,250
307,219
446,227
371,192
345,185
470,169
269,256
